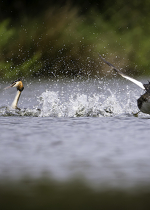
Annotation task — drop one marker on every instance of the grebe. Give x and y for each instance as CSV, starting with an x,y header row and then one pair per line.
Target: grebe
x,y
143,102
19,85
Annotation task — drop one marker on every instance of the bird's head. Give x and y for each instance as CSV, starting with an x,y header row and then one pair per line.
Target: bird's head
x,y
147,87
18,84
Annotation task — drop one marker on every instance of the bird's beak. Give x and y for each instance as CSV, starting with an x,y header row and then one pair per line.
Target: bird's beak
x,y
7,87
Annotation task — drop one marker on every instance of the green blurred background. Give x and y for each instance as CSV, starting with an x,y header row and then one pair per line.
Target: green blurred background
x,y
63,38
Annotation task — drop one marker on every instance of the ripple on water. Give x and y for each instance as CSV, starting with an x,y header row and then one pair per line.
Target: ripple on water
x,y
88,134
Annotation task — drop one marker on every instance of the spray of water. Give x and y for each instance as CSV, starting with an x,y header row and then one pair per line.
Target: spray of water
x,y
76,102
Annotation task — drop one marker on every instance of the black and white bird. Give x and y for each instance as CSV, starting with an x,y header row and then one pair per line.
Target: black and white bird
x,y
19,85
143,102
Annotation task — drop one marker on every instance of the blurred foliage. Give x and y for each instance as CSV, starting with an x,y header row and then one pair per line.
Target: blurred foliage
x,y
66,39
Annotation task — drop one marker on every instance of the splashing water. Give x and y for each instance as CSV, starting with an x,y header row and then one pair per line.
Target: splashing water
x,y
78,105
86,100
7,111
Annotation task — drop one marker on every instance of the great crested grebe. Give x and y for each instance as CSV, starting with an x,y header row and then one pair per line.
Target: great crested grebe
x,y
19,85
143,102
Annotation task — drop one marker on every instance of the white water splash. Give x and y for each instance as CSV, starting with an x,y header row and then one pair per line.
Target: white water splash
x,y
8,111
78,105
80,100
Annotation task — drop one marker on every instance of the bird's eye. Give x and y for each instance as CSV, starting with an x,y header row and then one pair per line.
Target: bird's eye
x,y
13,84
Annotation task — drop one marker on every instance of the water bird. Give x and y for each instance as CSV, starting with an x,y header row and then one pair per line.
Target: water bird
x,y
19,85
143,102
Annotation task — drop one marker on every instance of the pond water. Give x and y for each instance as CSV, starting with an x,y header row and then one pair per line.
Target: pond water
x,y
85,129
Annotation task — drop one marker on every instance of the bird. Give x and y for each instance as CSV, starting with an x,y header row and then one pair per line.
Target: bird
x,y
19,85
143,102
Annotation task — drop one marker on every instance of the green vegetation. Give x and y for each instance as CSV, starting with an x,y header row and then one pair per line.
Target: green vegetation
x,y
65,41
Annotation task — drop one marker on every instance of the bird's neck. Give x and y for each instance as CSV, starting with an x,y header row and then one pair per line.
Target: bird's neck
x,y
16,99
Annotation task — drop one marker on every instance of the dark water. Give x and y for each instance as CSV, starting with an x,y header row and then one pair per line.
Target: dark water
x,y
86,130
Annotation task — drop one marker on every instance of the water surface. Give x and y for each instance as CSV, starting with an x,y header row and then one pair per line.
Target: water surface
x,y
85,129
